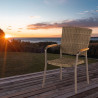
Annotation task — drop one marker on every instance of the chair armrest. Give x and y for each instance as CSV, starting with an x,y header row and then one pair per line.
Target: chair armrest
x,y
49,46
85,49
82,50
53,45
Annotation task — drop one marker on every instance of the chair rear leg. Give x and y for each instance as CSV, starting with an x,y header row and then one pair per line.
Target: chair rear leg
x,y
75,74
87,73
44,76
60,72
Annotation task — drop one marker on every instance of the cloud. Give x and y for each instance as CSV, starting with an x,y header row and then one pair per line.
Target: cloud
x,y
81,13
87,22
90,12
42,26
20,28
9,26
52,2
18,31
95,35
84,12
33,17
9,29
96,10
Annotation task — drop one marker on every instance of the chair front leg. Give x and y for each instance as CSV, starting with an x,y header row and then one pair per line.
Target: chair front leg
x,y
60,66
87,73
75,74
45,68
60,72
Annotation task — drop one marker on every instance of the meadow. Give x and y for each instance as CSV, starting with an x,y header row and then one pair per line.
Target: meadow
x,y
17,63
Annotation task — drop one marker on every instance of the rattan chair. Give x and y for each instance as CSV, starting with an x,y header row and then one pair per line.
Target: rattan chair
x,y
74,41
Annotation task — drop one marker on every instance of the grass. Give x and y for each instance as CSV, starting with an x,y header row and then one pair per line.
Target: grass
x,y
17,63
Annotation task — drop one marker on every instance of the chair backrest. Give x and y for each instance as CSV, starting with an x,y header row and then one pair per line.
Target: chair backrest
x,y
74,38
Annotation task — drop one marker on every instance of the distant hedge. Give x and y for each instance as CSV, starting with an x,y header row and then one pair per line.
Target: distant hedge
x,y
93,51
18,46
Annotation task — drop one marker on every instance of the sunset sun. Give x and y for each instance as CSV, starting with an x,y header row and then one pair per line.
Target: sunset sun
x,y
7,36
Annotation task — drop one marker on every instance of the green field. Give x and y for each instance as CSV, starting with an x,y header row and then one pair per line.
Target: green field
x,y
16,63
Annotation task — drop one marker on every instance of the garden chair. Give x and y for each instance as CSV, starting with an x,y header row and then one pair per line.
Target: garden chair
x,y
74,41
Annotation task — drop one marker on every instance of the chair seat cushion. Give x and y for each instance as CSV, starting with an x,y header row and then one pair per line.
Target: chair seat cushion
x,y
65,62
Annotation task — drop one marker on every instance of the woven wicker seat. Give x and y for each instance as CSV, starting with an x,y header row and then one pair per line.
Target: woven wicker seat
x,y
64,62
74,41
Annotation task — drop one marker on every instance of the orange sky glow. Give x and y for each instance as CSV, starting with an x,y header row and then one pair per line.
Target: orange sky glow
x,y
55,32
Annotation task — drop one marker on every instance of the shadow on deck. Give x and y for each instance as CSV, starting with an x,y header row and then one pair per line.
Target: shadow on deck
x,y
29,85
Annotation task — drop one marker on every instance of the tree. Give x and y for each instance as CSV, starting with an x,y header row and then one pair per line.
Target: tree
x,y
2,40
2,34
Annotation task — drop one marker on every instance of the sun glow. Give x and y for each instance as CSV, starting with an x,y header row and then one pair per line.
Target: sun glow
x,y
8,36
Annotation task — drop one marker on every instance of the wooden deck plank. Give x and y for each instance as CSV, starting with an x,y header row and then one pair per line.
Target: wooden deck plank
x,y
38,74
82,87
29,85
94,95
40,77
66,91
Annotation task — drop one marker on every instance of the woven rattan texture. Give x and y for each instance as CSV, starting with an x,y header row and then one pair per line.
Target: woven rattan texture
x,y
74,39
65,62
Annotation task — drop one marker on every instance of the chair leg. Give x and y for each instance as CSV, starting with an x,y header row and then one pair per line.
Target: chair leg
x,y
60,73
45,68
44,76
75,79
75,74
87,73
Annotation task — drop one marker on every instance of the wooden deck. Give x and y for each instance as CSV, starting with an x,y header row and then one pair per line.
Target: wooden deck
x,y
29,85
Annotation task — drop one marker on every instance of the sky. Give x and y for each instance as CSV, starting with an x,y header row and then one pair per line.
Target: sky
x,y
45,18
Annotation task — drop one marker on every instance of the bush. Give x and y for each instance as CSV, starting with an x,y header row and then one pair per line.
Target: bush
x,y
18,46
